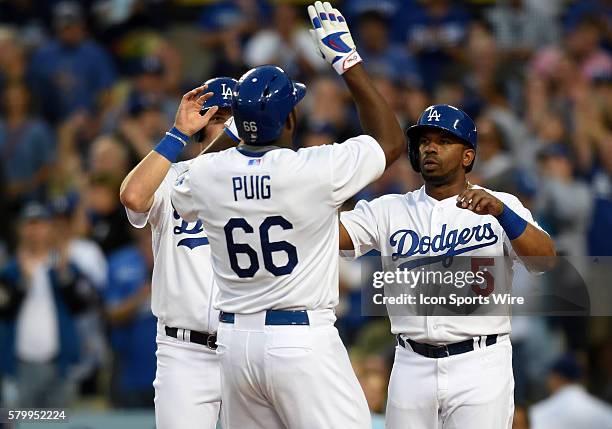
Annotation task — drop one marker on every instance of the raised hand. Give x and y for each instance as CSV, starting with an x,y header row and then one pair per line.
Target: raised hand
x,y
188,119
332,37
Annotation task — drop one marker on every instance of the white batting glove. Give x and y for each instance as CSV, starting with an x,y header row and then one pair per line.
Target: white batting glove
x,y
332,37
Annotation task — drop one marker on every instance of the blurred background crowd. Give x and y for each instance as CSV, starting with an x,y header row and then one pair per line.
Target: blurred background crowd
x,y
88,88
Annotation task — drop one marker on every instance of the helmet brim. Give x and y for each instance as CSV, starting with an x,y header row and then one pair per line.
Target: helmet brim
x,y
414,131
300,91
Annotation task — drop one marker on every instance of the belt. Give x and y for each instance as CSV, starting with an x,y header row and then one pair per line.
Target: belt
x,y
275,317
437,352
202,338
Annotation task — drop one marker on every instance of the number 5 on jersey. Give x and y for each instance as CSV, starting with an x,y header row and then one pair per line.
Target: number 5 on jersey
x,y
267,247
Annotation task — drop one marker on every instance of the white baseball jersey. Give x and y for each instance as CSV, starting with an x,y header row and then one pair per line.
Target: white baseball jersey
x,y
416,226
182,286
272,220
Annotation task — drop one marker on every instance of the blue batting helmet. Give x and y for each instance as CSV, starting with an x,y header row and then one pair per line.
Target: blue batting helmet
x,y
443,117
222,89
262,101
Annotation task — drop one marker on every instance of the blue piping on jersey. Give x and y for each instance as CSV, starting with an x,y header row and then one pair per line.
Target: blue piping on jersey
x,y
193,242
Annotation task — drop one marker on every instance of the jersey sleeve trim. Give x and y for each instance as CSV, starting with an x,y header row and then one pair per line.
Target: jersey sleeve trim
x,y
138,219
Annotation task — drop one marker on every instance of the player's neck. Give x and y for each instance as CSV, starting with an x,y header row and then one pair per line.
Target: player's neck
x,y
441,191
280,143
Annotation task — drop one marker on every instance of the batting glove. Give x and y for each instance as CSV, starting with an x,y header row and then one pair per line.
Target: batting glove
x,y
332,37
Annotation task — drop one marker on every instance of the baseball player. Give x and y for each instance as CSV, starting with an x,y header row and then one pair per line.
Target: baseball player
x,y
449,371
283,364
187,383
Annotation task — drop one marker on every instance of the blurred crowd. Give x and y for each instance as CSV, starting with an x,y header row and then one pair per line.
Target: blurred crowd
x,y
88,88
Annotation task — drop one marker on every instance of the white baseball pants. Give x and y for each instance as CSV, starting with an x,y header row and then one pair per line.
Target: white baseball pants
x,y
289,377
187,385
470,390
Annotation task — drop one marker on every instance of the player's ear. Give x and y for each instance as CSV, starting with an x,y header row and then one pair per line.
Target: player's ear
x,y
468,157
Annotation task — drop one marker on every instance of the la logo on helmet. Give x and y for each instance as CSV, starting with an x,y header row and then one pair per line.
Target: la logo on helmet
x,y
226,91
433,115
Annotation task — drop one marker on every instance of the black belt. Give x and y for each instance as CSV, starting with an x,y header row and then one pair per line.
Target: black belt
x,y
275,317
437,352
202,338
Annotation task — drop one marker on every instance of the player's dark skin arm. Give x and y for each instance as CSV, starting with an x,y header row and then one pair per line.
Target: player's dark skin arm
x,y
345,239
375,115
535,248
377,120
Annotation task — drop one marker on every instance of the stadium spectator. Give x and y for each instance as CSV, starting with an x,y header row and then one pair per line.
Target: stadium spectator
x,y
326,102
133,326
43,291
147,79
382,57
318,134
570,406
27,147
13,61
436,30
564,204
495,164
224,27
582,46
373,375
142,124
72,71
415,101
285,43
521,27
109,156
89,259
107,223
546,96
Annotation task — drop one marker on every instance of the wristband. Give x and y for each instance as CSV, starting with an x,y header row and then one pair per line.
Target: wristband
x,y
171,146
345,62
513,224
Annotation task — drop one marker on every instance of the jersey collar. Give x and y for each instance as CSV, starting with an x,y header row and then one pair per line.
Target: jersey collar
x,y
255,151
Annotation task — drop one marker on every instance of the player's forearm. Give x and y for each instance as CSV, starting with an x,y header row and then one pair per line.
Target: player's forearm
x,y
535,248
375,115
139,186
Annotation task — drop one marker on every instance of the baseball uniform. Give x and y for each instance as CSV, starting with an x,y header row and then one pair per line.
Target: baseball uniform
x,y
472,389
271,218
187,383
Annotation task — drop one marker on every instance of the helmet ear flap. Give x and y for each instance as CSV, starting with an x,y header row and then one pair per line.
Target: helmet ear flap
x,y
413,155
